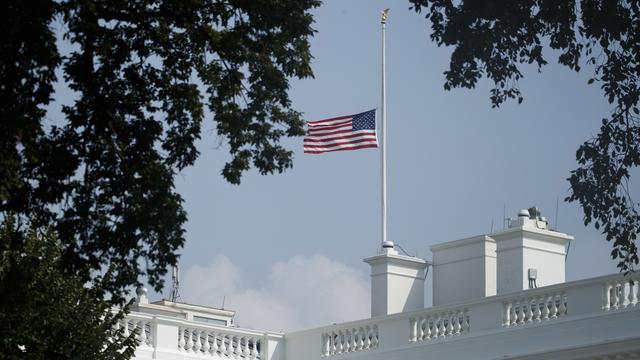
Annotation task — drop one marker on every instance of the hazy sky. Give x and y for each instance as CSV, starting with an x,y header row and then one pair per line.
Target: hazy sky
x,y
286,250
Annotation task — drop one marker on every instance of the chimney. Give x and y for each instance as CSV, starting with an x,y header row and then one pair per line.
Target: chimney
x,y
397,281
529,254
464,270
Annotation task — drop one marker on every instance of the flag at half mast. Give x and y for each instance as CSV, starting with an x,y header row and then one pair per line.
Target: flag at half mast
x,y
350,132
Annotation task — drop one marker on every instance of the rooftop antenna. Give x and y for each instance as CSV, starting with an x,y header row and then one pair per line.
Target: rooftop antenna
x,y
556,217
504,216
175,284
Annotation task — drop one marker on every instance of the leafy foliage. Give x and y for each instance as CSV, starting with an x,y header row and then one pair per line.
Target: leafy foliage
x,y
142,75
493,38
46,313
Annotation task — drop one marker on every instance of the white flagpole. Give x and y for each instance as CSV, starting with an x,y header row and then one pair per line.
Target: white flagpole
x,y
383,110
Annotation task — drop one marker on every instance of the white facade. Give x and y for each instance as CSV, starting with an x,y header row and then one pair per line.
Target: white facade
x,y
488,305
397,282
464,270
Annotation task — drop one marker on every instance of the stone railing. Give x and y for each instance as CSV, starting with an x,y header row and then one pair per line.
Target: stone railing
x,y
348,340
142,325
609,304
432,325
621,293
219,342
528,310
165,337
534,306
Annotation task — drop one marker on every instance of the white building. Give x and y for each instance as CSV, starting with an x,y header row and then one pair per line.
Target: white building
x,y
497,296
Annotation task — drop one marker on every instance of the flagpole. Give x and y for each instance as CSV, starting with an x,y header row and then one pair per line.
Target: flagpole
x,y
383,144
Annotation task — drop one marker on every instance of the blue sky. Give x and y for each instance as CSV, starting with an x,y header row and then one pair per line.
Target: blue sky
x,y
454,164
286,250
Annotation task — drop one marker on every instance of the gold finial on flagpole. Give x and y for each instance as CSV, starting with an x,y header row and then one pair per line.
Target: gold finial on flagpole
x,y
385,15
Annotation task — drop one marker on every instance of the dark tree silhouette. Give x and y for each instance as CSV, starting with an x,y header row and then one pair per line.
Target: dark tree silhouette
x,y
142,73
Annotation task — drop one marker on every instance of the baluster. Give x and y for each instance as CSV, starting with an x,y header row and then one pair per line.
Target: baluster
x,y
340,339
367,339
237,348
563,305
190,341
427,326
529,311
245,347
333,345
537,314
231,346
346,341
206,347
443,325
606,297
421,328
126,328
520,311
450,323
624,294
258,349
436,326
181,338
197,345
413,330
616,296
354,340
634,292
553,311
456,325
252,348
362,334
513,314
214,343
506,311
241,347
226,345
143,333
545,307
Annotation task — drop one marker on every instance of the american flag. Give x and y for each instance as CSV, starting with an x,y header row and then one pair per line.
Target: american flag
x,y
341,133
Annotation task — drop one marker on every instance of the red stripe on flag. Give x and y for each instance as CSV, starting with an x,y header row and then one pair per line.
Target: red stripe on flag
x,y
323,138
315,123
340,149
341,143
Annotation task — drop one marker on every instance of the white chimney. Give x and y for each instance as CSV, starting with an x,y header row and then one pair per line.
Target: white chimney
x,y
464,270
529,254
397,282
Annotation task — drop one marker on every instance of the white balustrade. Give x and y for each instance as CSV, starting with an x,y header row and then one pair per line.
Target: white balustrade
x,y
582,299
535,307
621,293
349,340
432,325
219,343
142,327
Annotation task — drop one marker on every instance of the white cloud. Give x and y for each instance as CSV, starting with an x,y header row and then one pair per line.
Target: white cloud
x,y
300,293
